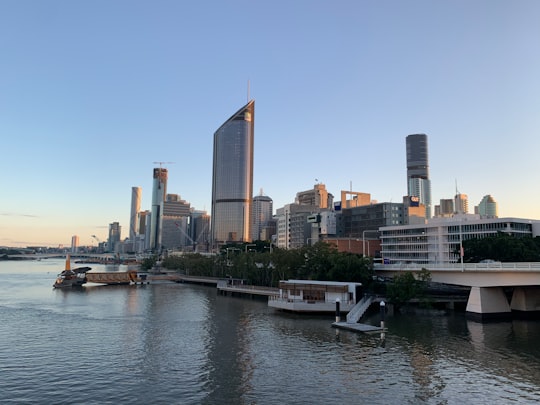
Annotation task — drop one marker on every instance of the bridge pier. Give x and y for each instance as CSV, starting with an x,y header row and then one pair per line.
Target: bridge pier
x,y
526,300
488,303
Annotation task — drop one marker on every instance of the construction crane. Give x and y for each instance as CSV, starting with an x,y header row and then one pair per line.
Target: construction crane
x,y
163,163
96,238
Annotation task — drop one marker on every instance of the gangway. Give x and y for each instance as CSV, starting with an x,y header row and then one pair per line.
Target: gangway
x,y
359,309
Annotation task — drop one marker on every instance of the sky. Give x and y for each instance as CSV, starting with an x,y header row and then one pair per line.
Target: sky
x,y
94,93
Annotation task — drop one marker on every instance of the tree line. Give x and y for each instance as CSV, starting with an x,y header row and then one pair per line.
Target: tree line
x,y
257,265
502,247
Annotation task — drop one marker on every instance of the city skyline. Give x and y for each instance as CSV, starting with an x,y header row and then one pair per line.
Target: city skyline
x,y
93,94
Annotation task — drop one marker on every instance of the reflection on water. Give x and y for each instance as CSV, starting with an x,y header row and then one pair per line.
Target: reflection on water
x,y
185,344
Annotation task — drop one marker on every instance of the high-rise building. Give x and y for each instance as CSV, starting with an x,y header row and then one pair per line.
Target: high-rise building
x,y
487,207
74,244
136,193
461,203
232,178
418,183
200,230
293,229
114,236
317,196
175,223
159,191
445,208
262,215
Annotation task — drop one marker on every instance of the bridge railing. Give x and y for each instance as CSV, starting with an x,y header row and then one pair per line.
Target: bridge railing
x,y
495,266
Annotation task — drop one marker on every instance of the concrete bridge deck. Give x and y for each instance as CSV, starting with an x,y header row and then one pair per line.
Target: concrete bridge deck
x,y
487,298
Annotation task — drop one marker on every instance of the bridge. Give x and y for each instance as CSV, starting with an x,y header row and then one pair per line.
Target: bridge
x,y
487,298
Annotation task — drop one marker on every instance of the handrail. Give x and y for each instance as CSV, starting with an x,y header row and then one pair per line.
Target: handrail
x,y
497,266
358,310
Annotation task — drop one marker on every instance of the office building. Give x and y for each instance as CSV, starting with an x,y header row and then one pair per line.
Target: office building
x,y
418,182
114,236
461,203
318,196
232,178
136,195
175,223
200,230
445,208
159,191
74,244
293,228
144,229
357,221
262,211
487,207
438,240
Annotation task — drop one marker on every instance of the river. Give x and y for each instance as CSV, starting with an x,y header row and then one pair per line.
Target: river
x,y
185,344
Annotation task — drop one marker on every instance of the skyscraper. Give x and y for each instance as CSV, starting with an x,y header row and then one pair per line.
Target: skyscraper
x,y
136,193
418,183
159,191
114,236
74,244
232,178
175,223
487,207
261,215
461,203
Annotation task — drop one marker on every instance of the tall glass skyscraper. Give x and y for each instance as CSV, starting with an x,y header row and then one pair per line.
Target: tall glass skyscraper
x,y
418,183
232,178
136,194
159,191
262,207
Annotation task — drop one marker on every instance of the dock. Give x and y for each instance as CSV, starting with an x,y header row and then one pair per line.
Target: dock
x,y
358,327
226,287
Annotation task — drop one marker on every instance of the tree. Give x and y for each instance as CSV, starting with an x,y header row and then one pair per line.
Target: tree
x,y
402,289
148,262
502,247
406,286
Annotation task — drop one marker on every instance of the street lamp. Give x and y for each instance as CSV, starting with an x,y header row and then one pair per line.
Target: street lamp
x,y
251,244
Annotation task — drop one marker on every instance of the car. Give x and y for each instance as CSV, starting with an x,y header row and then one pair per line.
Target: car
x,y
489,261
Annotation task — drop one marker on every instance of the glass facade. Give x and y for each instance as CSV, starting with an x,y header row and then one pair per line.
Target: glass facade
x,y
418,183
159,190
232,178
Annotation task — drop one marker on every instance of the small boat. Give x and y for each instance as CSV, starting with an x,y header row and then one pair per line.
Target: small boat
x,y
71,278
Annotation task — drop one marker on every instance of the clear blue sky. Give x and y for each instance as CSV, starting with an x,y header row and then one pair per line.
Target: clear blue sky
x,y
93,92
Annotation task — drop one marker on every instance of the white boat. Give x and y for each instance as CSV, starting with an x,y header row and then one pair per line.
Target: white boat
x,y
315,296
71,278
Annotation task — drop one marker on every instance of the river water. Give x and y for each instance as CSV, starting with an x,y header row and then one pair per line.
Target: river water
x,y
185,344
